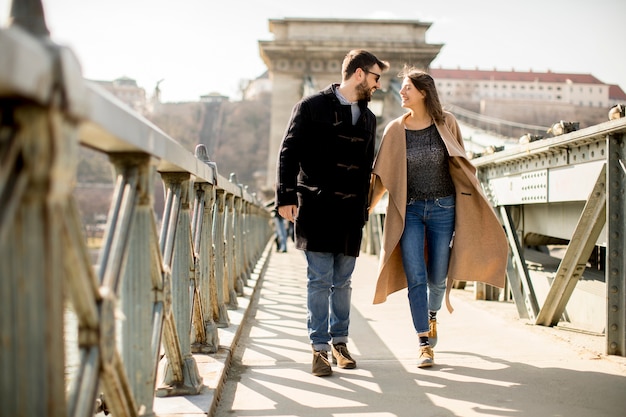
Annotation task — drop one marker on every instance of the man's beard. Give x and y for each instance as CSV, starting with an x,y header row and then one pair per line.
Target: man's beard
x,y
363,92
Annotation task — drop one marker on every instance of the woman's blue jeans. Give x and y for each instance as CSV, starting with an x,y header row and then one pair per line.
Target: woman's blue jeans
x,y
328,297
430,223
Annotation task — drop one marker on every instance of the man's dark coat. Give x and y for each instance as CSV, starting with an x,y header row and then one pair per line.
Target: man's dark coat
x,y
324,167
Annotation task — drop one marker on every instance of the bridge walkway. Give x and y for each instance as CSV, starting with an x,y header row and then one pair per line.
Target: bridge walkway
x,y
488,361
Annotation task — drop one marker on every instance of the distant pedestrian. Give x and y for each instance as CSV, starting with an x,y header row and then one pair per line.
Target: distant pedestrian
x,y
438,222
324,169
280,228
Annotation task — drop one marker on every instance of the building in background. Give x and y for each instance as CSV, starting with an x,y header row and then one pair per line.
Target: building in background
x,y
616,95
258,87
467,86
128,92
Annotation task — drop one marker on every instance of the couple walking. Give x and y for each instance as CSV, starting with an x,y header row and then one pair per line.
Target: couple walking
x,y
439,227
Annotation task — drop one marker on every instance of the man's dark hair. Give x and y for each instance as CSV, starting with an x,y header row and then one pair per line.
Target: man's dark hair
x,y
359,58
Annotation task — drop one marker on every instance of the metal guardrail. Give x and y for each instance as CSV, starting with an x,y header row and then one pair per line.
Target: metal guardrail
x,y
154,297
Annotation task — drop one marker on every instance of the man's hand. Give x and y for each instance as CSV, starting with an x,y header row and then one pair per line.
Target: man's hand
x,y
288,212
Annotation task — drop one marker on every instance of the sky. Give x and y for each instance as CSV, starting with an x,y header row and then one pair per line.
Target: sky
x,y
202,46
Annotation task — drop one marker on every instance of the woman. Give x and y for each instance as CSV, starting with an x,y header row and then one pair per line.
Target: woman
x,y
438,222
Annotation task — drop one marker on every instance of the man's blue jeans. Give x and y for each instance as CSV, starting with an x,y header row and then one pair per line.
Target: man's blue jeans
x,y
328,297
429,222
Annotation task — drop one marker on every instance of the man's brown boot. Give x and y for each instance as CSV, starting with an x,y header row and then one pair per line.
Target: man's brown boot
x,y
342,357
321,366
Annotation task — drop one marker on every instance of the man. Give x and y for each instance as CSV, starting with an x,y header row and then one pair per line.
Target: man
x,y
323,177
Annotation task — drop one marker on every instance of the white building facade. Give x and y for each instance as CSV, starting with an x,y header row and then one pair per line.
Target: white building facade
x,y
459,85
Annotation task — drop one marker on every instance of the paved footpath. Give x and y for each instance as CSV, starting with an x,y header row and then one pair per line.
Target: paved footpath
x,y
488,362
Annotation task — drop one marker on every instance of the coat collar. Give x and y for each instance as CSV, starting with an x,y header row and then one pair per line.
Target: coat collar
x,y
448,129
330,93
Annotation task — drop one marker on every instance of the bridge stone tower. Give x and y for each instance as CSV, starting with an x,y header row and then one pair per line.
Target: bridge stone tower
x,y
306,56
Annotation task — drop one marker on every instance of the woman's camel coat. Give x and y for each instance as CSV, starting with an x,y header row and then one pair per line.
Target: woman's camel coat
x,y
480,248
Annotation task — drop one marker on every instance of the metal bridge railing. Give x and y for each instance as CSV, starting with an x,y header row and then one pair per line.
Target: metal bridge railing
x,y
154,297
567,188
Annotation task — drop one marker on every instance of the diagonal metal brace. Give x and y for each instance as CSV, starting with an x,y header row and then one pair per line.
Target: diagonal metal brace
x,y
574,261
517,272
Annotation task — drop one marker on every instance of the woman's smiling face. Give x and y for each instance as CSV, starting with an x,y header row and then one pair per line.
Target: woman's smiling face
x,y
409,94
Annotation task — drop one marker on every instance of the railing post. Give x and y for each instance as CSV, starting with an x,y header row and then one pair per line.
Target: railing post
x,y
238,238
247,244
39,153
29,15
221,277
181,375
616,259
262,228
229,242
252,237
136,287
206,339
238,264
256,233
205,336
